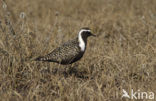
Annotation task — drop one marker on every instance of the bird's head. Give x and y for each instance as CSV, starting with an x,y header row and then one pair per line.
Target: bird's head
x,y
85,32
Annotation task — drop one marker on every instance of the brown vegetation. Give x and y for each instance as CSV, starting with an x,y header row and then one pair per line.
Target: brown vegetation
x,y
123,56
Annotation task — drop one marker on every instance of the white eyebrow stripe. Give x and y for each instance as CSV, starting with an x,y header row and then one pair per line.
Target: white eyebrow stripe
x,y
81,42
84,30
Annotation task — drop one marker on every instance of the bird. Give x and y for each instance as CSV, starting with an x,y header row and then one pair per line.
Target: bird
x,y
70,51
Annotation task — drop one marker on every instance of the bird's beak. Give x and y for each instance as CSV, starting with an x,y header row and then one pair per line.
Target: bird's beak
x,y
93,35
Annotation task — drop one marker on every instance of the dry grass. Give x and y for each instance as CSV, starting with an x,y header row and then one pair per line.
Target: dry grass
x,y
123,56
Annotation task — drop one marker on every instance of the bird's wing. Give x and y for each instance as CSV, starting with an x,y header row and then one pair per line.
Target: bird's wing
x,y
64,53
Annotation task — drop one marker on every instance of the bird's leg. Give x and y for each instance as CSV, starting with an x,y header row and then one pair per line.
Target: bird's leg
x,y
72,69
66,70
60,70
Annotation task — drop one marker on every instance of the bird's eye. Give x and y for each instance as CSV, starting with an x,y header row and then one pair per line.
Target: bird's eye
x,y
88,32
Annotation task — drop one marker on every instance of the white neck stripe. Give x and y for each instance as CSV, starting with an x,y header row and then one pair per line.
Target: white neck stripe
x,y
81,41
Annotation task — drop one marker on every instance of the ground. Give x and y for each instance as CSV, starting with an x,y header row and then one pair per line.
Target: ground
x,y
122,56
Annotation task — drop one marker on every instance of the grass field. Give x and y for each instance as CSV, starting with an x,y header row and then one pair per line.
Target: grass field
x,y
122,56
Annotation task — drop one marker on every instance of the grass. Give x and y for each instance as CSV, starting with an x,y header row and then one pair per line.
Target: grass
x,y
122,56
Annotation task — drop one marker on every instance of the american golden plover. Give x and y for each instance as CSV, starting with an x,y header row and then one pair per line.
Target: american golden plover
x,y
70,51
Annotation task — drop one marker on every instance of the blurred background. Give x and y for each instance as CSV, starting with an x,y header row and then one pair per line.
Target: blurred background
x,y
122,56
